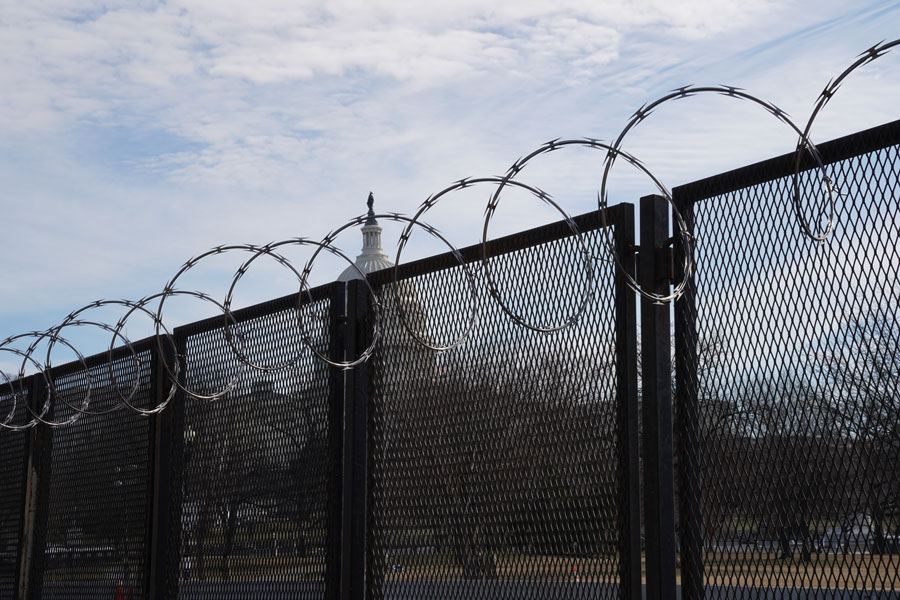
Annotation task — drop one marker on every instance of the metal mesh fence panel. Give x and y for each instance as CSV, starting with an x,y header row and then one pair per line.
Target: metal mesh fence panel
x,y
494,466
94,520
13,464
789,381
506,467
251,520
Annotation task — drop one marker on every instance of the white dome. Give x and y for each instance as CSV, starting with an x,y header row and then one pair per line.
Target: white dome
x,y
372,257
366,264
372,261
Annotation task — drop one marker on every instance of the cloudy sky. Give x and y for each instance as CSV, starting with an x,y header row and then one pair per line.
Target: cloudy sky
x,y
134,135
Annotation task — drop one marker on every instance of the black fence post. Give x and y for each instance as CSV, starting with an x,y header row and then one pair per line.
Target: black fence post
x,y
25,549
171,545
356,454
23,535
38,497
627,408
659,492
164,549
334,573
690,517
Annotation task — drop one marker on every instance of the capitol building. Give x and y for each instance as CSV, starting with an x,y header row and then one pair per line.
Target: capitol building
x,y
372,257
396,343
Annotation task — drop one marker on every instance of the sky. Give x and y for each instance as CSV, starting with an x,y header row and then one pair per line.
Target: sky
x,y
135,135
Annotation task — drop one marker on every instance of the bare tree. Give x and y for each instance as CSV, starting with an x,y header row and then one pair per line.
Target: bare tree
x,y
251,457
860,374
498,457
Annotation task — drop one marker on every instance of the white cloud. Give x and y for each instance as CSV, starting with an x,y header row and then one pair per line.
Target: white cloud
x,y
144,133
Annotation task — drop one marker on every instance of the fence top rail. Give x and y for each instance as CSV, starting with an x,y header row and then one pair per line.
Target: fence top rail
x,y
862,142
244,314
255,311
500,246
92,361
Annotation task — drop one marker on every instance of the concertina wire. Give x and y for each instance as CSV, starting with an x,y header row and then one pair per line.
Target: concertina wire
x,y
235,339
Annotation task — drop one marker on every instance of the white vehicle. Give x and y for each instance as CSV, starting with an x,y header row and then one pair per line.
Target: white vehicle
x,y
856,536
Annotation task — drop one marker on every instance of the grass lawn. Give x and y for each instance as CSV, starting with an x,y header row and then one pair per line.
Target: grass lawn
x,y
835,571
740,569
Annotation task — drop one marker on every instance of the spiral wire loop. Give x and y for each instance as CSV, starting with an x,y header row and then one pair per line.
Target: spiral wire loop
x,y
13,399
140,306
172,370
493,290
70,321
803,143
27,357
236,339
269,249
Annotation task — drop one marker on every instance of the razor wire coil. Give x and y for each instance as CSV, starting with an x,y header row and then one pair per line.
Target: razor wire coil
x,y
173,362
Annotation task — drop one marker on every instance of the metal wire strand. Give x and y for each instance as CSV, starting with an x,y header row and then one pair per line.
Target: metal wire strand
x,y
70,321
13,396
684,234
141,305
169,290
21,391
173,370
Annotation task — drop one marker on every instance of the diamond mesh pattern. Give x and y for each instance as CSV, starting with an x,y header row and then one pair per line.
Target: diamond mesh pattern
x,y
797,440
494,466
255,463
95,527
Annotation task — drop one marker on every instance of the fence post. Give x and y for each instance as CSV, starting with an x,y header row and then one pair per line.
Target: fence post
x,y
37,498
627,408
29,504
356,454
688,420
659,489
23,504
164,547
334,573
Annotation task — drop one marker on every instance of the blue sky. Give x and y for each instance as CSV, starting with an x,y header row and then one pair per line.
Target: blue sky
x,y
134,135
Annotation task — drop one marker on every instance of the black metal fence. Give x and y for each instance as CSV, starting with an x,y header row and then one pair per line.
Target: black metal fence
x,y
520,464
788,382
501,469
94,490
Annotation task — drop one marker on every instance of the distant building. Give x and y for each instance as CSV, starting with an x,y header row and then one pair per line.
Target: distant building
x,y
373,258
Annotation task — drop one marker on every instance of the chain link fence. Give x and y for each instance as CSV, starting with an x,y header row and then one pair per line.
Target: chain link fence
x,y
92,483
